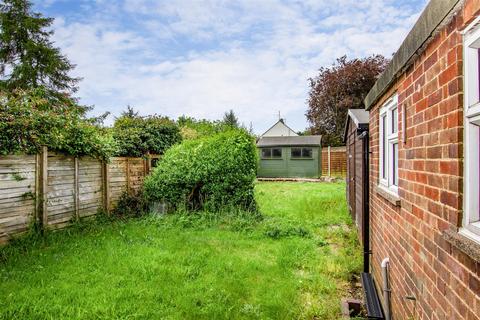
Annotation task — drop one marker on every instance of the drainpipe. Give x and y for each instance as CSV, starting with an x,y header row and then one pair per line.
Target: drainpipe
x,y
386,287
366,205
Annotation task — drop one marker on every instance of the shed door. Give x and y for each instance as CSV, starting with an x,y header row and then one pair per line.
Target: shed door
x,y
351,174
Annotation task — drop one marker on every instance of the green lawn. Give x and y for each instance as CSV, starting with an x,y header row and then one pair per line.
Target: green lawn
x,y
295,263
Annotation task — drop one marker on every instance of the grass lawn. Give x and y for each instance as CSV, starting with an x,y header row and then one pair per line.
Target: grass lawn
x,y
295,263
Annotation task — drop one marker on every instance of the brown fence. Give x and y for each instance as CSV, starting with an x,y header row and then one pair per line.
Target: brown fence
x,y
55,189
334,161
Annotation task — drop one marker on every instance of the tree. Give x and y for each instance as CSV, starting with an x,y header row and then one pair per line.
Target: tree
x,y
33,118
28,58
136,135
336,89
230,119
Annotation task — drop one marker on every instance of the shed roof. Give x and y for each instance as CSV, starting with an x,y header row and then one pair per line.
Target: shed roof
x,y
360,117
289,141
430,20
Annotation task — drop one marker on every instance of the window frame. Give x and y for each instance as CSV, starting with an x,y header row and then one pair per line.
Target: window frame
x,y
271,157
302,153
471,204
388,139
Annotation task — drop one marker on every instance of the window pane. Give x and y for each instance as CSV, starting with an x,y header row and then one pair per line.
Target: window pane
x,y
395,120
277,153
395,164
296,152
384,147
307,152
266,153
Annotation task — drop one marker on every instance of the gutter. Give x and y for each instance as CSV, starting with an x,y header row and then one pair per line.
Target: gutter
x,y
432,18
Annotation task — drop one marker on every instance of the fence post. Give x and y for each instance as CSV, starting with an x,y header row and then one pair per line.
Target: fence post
x,y
76,189
106,187
43,186
329,159
148,163
127,165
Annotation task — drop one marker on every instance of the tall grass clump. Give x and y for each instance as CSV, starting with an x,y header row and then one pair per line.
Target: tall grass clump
x,y
211,173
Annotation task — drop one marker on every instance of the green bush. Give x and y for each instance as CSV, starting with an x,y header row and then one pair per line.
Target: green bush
x,y
192,129
209,173
131,205
136,135
30,119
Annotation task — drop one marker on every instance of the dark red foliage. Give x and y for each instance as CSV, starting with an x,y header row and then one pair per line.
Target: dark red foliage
x,y
336,89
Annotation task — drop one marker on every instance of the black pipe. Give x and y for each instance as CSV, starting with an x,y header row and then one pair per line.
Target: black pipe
x,y
366,205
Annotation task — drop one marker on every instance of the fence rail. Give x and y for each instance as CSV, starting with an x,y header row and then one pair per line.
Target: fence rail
x,y
334,161
55,189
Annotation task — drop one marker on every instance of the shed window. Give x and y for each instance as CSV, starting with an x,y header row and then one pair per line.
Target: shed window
x,y
302,153
471,222
389,145
271,153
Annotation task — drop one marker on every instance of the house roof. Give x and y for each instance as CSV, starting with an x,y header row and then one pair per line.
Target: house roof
x,y
425,28
282,121
360,117
289,141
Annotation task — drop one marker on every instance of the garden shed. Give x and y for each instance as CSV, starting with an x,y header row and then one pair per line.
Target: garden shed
x,y
289,156
356,141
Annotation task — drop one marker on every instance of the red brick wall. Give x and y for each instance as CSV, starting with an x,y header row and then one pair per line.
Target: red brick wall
x,y
444,280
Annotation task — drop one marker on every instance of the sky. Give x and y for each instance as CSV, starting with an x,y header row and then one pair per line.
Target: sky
x,y
201,58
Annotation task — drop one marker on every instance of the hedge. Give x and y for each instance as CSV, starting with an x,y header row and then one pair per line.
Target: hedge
x,y
209,173
136,135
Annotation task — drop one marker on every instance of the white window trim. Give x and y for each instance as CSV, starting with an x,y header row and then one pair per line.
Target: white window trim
x,y
471,217
392,138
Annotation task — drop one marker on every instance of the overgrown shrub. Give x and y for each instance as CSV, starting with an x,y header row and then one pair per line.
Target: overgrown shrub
x,y
209,173
30,119
192,129
136,135
131,205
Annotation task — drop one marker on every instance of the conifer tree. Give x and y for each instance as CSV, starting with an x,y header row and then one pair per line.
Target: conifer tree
x,y
230,119
28,58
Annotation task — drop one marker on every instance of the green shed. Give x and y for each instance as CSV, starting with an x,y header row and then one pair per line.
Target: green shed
x,y
289,157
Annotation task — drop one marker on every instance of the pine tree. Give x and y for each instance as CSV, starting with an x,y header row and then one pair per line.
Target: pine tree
x,y
28,59
230,119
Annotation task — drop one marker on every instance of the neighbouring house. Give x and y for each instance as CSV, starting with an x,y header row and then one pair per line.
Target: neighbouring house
x,y
424,171
279,129
284,154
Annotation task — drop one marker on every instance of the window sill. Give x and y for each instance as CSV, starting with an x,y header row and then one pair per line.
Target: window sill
x,y
388,195
463,243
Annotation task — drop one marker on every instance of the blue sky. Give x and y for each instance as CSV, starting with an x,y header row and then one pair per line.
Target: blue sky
x,y
201,58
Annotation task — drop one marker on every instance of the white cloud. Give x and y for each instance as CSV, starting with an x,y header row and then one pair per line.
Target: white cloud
x,y
203,57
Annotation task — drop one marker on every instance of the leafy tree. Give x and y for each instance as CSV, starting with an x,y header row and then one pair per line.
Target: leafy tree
x,y
28,58
136,135
30,119
336,89
192,128
230,119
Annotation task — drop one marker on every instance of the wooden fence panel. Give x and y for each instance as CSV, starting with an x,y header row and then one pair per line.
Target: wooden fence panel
x,y
89,186
60,190
56,189
17,190
117,179
335,164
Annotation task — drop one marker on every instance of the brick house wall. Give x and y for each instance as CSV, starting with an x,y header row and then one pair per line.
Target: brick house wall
x,y
411,231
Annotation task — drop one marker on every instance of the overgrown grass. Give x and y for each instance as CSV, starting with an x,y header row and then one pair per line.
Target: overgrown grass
x,y
294,261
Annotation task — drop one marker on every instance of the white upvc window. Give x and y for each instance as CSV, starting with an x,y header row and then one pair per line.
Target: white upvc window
x,y
471,219
388,173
